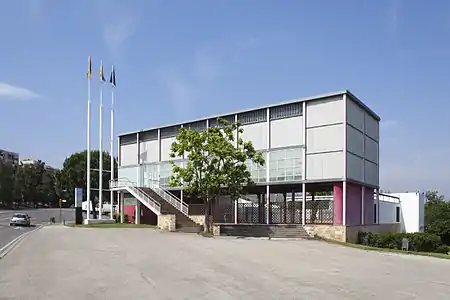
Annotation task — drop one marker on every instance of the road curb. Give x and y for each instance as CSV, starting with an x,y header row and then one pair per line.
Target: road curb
x,y
11,245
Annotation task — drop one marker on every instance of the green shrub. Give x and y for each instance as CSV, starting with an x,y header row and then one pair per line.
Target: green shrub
x,y
125,218
117,218
443,249
418,242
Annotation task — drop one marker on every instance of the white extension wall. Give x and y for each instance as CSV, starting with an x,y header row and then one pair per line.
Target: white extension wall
x,y
412,208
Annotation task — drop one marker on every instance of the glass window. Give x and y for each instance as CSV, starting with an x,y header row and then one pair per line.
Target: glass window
x,y
286,164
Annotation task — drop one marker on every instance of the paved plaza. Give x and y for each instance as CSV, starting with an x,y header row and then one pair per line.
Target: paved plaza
x,y
58,262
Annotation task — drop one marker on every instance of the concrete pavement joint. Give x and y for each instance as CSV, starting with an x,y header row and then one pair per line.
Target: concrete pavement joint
x,y
11,245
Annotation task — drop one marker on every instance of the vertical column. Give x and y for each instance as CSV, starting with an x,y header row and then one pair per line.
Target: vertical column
x,y
304,142
268,204
363,189
285,208
344,184
236,212
137,214
293,207
236,203
268,167
377,191
138,150
303,203
121,206
344,203
119,154
363,202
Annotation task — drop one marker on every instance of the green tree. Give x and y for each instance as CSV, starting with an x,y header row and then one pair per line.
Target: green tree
x,y
73,175
437,216
7,174
216,163
28,183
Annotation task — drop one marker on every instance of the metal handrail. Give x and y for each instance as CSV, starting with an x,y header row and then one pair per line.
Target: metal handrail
x,y
169,197
132,188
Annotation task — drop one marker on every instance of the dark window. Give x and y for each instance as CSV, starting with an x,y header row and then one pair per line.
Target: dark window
x,y
229,119
397,214
374,213
128,139
253,117
148,135
168,132
286,111
200,125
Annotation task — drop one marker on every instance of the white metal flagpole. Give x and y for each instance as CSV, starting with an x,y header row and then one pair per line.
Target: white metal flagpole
x,y
112,80
88,142
100,172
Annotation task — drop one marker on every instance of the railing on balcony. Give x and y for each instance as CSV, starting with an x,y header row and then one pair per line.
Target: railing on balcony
x,y
136,192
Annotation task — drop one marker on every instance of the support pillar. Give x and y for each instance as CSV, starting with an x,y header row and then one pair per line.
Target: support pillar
x,y
344,203
181,199
377,191
121,206
137,214
303,203
236,217
293,207
285,209
268,204
363,202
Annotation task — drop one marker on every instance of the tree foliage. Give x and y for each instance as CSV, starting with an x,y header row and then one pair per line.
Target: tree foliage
x,y
27,185
216,163
73,173
437,216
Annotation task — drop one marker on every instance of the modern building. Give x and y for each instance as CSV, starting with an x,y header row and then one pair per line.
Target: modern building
x,y
9,157
321,170
407,209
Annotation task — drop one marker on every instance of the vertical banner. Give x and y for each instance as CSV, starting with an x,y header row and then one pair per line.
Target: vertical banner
x,y
78,206
78,197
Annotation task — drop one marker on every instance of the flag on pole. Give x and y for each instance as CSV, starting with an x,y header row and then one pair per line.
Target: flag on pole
x,y
102,77
89,72
112,78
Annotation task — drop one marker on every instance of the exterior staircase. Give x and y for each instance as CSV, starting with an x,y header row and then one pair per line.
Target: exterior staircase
x,y
125,184
183,222
293,231
160,202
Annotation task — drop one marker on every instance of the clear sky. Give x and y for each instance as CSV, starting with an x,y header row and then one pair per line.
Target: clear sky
x,y
179,60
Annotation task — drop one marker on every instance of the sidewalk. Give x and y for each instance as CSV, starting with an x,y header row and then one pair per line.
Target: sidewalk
x,y
58,262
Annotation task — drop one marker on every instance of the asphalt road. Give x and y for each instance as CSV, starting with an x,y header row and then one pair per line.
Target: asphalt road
x,y
38,217
87,263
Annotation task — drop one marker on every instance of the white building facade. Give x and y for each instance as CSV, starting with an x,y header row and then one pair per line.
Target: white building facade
x,y
325,143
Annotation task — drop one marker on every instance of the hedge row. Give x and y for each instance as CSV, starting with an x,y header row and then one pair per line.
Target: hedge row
x,y
419,242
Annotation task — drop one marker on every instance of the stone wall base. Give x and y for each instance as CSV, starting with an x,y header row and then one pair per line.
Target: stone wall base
x,y
167,222
330,232
348,233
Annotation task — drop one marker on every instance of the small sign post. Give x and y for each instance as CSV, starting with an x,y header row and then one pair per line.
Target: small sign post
x,y
78,206
405,244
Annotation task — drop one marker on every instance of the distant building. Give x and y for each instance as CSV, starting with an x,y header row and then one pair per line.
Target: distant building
x,y
30,161
9,157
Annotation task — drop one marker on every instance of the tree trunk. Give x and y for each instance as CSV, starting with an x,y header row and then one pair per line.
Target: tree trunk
x,y
207,226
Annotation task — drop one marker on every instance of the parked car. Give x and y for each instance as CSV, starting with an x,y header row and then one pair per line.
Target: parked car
x,y
20,219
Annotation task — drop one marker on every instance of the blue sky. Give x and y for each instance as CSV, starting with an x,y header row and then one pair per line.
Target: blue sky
x,y
179,60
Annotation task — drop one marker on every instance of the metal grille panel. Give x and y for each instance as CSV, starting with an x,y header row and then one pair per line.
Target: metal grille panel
x,y
319,212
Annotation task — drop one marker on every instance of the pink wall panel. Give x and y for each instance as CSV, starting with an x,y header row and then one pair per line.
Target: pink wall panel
x,y
337,203
353,207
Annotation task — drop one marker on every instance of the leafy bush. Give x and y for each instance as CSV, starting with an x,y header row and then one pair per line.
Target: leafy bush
x,y
125,218
117,218
418,242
